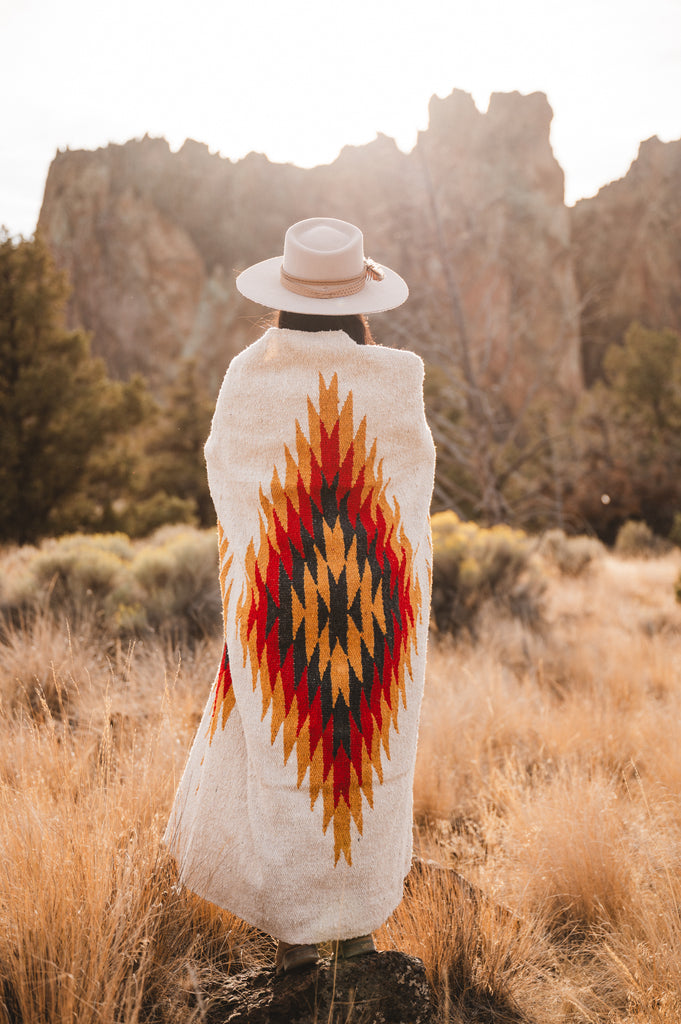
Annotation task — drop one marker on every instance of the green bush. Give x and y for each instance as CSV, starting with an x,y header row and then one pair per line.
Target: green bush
x,y
141,517
570,555
124,589
635,539
473,566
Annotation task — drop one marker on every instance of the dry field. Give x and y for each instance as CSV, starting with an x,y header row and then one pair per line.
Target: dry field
x,y
548,776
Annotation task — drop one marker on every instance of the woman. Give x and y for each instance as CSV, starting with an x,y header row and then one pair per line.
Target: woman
x,y
294,810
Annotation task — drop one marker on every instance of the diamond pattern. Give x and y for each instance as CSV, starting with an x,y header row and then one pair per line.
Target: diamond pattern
x,y
327,616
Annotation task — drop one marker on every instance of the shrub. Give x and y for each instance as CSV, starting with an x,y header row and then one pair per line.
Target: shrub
x,y
168,584
635,539
675,532
177,575
142,516
473,565
72,576
570,555
14,575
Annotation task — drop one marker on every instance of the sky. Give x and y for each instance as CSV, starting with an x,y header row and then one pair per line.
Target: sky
x,y
299,79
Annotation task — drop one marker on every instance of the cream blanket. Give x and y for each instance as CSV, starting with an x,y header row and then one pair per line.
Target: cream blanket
x,y
295,807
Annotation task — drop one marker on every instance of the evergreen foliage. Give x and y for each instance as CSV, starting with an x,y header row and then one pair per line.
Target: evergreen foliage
x,y
644,376
58,409
175,462
626,439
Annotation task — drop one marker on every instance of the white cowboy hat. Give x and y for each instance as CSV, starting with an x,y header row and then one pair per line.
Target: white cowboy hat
x,y
323,271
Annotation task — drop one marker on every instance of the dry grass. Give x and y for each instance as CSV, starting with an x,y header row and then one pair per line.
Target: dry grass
x,y
548,776
92,927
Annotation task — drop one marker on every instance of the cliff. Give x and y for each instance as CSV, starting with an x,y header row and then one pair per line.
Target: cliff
x,y
473,218
627,251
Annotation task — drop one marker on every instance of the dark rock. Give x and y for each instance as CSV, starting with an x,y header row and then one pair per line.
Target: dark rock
x,y
384,988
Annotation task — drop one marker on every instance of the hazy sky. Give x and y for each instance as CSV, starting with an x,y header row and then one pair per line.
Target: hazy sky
x,y
298,79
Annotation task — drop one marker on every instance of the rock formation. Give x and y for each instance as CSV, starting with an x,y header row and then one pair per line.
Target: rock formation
x,y
385,988
497,191
474,219
627,251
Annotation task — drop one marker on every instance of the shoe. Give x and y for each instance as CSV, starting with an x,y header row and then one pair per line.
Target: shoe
x,y
291,957
346,949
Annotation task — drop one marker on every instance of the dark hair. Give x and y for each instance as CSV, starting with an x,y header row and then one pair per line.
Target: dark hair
x,y
355,325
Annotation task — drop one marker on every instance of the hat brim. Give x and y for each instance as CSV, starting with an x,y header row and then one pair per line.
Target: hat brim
x,y
262,284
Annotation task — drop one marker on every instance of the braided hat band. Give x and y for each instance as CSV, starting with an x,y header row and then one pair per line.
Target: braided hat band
x,y
333,289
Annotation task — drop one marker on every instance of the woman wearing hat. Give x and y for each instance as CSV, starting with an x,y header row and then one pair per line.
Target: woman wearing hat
x,y
294,811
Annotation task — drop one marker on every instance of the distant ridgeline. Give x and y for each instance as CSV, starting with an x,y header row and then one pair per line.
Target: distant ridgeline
x,y
518,292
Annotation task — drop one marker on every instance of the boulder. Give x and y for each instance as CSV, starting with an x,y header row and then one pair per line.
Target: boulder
x,y
383,988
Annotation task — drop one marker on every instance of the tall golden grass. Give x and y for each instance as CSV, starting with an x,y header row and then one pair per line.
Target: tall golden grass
x,y
548,777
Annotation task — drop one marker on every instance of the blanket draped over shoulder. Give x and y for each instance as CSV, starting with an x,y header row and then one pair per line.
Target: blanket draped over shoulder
x,y
294,811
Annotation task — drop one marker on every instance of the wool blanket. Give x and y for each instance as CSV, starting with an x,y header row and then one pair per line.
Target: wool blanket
x,y
294,811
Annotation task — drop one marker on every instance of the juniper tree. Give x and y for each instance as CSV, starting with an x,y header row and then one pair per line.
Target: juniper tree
x,y
627,436
175,464
58,408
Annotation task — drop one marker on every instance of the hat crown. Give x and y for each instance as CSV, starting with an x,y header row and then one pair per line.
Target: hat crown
x,y
323,249
323,272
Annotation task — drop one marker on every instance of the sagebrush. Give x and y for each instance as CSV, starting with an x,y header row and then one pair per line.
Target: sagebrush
x,y
166,585
473,565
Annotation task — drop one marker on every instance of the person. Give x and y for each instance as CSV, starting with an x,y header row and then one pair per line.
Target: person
x,y
294,811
